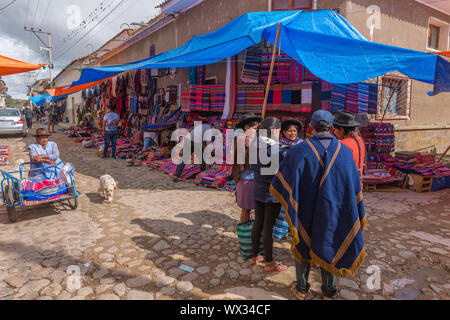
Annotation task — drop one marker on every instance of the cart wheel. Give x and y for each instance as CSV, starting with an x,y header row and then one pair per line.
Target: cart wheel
x,y
73,203
12,214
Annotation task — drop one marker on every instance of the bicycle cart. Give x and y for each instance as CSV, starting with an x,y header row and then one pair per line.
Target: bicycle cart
x,y
18,188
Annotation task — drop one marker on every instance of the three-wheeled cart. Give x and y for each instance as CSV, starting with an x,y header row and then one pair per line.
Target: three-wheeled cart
x,y
15,196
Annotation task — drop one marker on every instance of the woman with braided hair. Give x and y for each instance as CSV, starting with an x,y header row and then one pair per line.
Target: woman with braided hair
x,y
345,130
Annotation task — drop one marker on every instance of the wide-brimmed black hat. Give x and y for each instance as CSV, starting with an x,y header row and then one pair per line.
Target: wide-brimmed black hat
x,y
291,122
248,118
41,132
345,119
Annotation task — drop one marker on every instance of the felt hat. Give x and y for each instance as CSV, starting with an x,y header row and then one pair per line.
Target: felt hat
x,y
41,132
291,122
345,119
247,118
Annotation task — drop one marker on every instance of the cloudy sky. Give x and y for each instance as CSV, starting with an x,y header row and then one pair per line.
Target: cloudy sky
x,y
62,18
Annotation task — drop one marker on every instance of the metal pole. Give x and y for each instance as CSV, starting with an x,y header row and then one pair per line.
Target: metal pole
x,y
49,49
50,66
263,113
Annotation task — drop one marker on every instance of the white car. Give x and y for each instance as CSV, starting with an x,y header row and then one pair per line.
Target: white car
x,y
12,121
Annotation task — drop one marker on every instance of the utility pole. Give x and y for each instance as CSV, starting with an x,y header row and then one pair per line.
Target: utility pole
x,y
48,47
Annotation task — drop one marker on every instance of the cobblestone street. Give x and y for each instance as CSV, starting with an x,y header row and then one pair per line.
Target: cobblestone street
x,y
133,247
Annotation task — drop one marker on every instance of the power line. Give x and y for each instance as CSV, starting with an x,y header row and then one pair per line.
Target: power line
x,y
45,14
35,13
7,5
85,23
120,3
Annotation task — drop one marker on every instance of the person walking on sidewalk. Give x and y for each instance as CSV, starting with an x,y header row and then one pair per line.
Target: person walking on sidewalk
x,y
319,186
110,130
28,113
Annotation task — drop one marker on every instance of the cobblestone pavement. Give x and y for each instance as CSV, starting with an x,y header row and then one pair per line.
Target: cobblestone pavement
x,y
132,248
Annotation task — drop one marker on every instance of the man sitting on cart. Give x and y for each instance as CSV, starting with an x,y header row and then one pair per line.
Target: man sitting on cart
x,y
44,154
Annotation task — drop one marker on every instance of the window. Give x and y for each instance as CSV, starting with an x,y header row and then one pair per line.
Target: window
x,y
438,35
394,98
433,37
278,5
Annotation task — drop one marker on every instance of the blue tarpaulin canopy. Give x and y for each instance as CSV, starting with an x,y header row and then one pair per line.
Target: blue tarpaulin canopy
x,y
45,98
323,41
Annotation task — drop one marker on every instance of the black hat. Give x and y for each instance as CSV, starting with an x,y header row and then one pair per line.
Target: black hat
x,y
247,118
345,119
291,122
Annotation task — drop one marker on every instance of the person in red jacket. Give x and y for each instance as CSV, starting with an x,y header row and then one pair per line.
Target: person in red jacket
x,y
345,130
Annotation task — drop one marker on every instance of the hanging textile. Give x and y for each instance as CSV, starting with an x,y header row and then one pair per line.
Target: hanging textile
x,y
308,76
363,97
351,100
338,97
252,65
201,75
193,76
373,98
306,105
286,99
217,99
326,95
185,99
297,71
281,69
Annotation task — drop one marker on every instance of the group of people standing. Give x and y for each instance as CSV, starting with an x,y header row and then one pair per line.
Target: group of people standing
x,y
318,183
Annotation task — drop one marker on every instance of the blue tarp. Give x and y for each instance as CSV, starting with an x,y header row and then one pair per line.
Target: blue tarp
x,y
323,41
45,98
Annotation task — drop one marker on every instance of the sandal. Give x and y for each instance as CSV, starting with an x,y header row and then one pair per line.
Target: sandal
x,y
256,260
297,294
277,267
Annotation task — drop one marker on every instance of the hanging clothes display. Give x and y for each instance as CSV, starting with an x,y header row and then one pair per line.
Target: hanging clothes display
x,y
252,65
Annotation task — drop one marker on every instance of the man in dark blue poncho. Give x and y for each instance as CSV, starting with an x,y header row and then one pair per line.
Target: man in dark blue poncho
x,y
319,187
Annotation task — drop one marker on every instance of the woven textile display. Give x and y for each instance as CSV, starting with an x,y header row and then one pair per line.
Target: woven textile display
x,y
252,65
308,76
185,101
363,97
4,155
217,98
373,98
201,75
379,138
297,71
281,69
338,97
326,95
351,101
207,98
250,98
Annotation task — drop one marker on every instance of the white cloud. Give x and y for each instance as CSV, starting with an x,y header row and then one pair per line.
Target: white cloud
x,y
15,43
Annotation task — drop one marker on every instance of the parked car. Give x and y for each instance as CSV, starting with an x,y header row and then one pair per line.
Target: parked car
x,y
12,121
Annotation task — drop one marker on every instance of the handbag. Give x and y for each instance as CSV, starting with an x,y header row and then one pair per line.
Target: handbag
x,y
281,228
244,233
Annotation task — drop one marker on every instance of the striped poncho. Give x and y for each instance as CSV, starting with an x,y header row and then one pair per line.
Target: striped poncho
x,y
321,193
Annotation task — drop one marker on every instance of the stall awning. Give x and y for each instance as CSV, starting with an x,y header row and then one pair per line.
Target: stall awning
x,y
323,41
12,66
45,98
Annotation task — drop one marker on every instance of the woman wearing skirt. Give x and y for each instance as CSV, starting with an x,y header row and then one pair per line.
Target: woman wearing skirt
x,y
242,173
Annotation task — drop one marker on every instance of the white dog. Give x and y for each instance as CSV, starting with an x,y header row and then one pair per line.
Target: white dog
x,y
107,186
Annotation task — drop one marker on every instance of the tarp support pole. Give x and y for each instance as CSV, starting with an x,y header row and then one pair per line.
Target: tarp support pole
x,y
263,113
